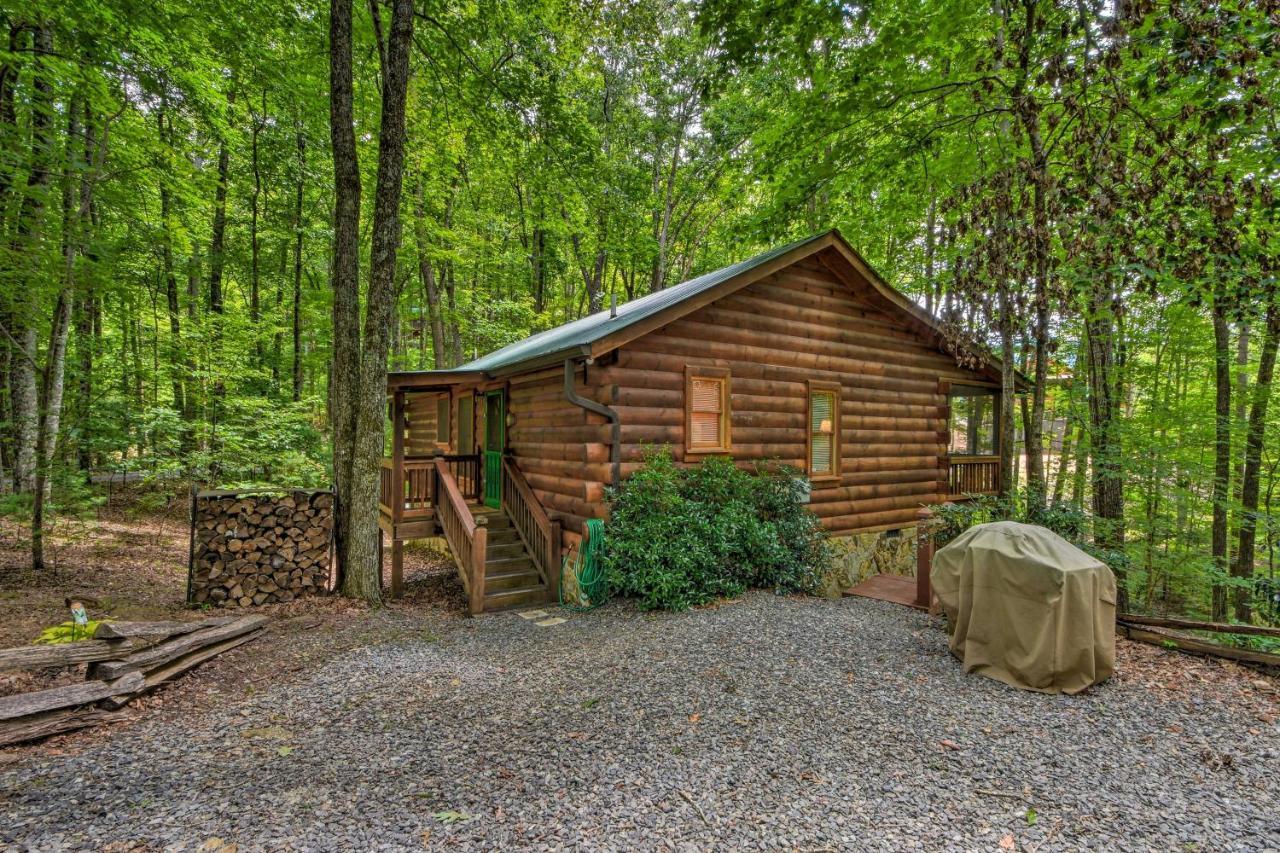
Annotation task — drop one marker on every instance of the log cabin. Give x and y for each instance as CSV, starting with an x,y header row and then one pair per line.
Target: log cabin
x,y
801,355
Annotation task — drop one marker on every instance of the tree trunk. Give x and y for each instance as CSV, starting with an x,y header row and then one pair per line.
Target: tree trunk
x,y
1105,450
176,370
1004,423
1256,432
362,577
297,268
428,277
81,162
1222,454
345,365
217,243
26,244
255,263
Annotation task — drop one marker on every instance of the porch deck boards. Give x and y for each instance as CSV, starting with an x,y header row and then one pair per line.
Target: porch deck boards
x,y
892,588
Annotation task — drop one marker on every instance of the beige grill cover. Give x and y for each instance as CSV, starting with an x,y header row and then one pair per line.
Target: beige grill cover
x,y
1027,607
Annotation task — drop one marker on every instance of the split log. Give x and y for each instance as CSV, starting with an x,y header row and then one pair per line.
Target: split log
x,y
261,548
48,723
154,630
1197,625
66,654
176,648
1164,639
167,671
23,704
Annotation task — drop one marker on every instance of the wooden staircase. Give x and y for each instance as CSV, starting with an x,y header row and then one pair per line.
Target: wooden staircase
x,y
511,578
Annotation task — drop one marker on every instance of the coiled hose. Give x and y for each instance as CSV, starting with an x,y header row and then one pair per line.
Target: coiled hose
x,y
585,565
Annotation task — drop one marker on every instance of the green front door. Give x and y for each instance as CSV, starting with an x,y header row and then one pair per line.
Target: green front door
x,y
495,437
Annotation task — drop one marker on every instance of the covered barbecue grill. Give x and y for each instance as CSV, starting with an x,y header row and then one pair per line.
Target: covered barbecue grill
x,y
1027,607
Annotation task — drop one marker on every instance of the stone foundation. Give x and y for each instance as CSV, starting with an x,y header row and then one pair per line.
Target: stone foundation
x,y
858,556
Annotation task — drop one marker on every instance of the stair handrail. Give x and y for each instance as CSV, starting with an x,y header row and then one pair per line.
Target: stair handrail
x,y
467,538
539,532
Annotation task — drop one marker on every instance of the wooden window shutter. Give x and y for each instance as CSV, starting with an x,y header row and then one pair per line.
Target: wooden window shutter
x,y
824,429
707,403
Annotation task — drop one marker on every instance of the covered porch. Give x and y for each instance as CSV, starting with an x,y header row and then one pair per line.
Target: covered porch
x,y
971,466
449,473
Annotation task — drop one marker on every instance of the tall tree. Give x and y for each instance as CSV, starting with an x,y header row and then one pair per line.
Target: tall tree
x,y
359,378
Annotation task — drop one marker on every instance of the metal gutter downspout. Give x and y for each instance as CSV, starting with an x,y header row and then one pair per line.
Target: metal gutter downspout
x,y
615,447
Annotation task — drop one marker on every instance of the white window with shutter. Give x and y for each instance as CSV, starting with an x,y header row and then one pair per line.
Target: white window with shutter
x,y
707,405
824,430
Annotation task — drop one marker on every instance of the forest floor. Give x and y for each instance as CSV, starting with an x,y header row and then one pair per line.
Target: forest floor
x,y
759,723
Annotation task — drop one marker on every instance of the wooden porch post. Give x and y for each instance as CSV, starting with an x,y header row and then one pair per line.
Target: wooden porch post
x,y
397,506
924,557
479,547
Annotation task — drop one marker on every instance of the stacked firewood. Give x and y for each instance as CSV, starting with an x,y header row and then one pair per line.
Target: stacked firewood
x,y
259,548
125,660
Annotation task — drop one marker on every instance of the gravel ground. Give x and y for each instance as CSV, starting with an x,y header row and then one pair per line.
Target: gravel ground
x,y
764,723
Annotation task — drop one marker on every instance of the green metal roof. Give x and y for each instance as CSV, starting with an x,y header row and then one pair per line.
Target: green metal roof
x,y
576,338
579,334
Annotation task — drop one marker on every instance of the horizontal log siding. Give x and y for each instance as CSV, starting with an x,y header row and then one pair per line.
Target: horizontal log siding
x,y
800,324
420,437
562,450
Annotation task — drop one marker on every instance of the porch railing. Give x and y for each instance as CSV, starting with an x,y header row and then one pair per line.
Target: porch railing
x,y
467,540
418,483
973,475
541,535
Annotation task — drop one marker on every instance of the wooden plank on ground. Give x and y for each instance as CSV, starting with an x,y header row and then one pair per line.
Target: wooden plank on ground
x,y
48,723
67,654
155,630
891,588
177,647
1198,647
23,704
167,671
1197,625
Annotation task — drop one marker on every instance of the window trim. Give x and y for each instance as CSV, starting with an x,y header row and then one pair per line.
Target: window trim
x,y
443,406
821,387
713,374
469,398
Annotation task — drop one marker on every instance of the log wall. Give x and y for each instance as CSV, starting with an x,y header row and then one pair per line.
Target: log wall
x,y
561,449
803,323
420,411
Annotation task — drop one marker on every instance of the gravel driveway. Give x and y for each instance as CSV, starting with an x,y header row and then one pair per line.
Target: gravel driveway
x,y
766,723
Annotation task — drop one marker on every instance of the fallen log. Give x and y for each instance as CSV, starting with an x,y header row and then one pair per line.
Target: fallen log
x,y
1166,640
161,674
177,647
24,704
1197,625
49,723
67,654
156,630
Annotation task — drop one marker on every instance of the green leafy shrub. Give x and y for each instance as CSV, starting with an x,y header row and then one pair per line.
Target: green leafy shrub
x,y
1065,519
679,537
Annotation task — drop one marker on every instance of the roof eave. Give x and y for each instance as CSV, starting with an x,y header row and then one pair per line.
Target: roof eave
x,y
431,379
550,359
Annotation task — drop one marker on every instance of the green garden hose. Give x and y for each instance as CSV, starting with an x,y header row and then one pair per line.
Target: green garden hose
x,y
583,571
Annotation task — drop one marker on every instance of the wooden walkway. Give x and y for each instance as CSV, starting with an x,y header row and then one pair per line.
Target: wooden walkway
x,y
893,588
